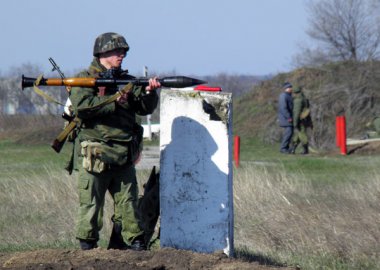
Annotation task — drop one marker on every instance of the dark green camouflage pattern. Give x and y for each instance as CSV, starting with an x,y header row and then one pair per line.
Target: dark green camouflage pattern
x,y
115,126
110,123
121,183
300,104
109,41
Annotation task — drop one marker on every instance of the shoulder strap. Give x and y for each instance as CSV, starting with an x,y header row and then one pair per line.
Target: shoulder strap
x,y
43,94
111,99
61,138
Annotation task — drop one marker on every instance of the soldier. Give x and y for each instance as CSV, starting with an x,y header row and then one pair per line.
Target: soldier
x,y
301,121
107,145
285,118
374,126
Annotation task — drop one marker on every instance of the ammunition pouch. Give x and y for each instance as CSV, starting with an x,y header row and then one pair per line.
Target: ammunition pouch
x,y
91,152
99,156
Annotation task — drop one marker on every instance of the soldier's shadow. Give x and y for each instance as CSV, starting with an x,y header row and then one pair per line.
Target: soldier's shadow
x,y
192,189
354,149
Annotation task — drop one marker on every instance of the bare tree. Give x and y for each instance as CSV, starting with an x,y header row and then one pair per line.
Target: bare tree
x,y
346,29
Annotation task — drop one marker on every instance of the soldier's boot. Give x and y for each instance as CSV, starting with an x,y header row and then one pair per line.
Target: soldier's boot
x,y
138,244
87,244
116,240
305,149
292,149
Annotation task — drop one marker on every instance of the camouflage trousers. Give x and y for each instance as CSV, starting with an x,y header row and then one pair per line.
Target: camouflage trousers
x,y
121,183
300,136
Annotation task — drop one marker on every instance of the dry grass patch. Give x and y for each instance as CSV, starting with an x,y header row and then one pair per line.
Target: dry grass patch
x,y
276,213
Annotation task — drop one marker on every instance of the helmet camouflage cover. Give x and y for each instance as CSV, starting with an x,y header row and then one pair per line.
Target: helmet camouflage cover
x,y
109,41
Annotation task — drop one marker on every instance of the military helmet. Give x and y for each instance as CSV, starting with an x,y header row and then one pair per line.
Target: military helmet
x,y
109,41
297,90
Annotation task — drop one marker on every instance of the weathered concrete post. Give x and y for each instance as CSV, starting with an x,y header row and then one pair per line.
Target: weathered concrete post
x,y
196,196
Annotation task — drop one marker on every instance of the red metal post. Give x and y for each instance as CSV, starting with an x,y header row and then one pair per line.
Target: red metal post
x,y
237,150
343,137
338,123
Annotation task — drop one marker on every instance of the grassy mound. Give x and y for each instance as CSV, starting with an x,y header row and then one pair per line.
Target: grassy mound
x,y
349,89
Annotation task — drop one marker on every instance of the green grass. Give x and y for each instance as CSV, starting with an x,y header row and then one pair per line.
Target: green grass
x,y
319,211
28,158
320,168
38,198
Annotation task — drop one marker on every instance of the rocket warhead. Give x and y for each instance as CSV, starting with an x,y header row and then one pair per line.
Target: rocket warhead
x,y
180,81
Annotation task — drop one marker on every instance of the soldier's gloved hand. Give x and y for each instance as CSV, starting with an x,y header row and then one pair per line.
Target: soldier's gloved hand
x,y
153,84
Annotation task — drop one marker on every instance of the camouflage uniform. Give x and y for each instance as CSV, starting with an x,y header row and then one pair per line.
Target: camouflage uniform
x,y
107,143
301,120
374,125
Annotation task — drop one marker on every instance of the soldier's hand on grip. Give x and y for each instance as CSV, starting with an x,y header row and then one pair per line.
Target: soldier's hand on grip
x,y
153,84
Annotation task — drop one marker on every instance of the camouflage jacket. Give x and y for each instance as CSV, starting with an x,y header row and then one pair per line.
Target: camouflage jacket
x,y
375,124
300,103
110,123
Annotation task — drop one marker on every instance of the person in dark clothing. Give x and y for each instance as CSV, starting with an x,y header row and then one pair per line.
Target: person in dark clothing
x,y
285,116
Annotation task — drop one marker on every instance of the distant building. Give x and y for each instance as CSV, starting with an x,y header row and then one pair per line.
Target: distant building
x,y
154,129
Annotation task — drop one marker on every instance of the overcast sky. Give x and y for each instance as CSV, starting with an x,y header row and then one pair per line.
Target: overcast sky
x,y
190,37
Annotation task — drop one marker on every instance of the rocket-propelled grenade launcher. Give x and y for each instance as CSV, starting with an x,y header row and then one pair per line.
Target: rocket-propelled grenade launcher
x,y
107,79
174,81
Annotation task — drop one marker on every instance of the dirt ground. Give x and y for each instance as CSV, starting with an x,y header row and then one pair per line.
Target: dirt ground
x,y
365,148
163,259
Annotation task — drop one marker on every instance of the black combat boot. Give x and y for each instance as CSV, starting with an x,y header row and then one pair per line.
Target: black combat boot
x,y
116,240
292,149
305,149
138,244
87,244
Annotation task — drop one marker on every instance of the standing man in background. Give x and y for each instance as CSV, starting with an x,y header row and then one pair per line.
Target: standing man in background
x,y
285,116
107,145
301,121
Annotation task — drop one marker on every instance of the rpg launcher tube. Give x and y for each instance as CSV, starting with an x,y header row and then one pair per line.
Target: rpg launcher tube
x,y
175,82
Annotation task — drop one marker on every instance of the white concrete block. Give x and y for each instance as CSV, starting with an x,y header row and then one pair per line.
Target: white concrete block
x,y
196,195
